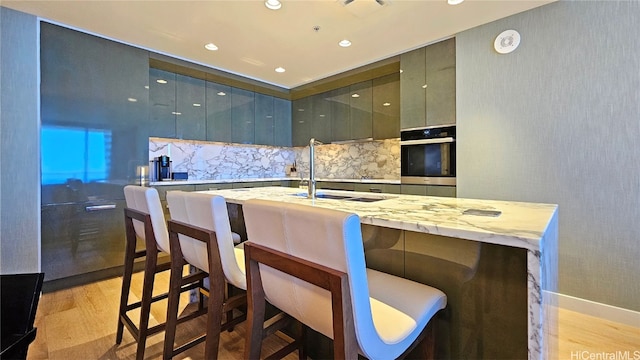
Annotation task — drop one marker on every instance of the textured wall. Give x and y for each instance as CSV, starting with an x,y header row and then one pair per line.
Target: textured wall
x,y
19,143
558,121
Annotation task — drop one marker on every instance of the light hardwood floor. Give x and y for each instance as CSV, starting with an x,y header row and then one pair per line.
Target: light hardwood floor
x,y
80,323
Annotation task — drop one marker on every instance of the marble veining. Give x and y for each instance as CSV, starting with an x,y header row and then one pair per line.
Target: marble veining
x,y
378,159
530,226
204,160
212,160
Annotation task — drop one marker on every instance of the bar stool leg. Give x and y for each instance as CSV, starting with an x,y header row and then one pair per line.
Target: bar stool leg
x,y
175,281
214,315
145,307
129,256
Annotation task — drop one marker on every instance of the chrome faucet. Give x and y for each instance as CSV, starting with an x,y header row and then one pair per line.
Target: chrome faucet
x,y
312,169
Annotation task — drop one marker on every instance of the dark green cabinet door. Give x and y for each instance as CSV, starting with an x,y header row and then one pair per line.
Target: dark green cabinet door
x,y
412,89
441,83
340,114
282,121
302,114
386,107
242,116
264,122
162,98
321,123
361,110
191,121
218,112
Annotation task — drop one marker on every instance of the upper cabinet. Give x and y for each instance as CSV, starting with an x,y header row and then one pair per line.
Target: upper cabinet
x,y
242,116
218,112
428,85
340,114
282,122
189,108
264,119
321,122
302,115
191,122
365,110
386,106
361,114
162,99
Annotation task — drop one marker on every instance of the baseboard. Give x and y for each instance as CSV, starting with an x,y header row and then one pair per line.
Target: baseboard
x,y
592,308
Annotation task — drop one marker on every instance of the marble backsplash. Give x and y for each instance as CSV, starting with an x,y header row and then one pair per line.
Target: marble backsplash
x,y
204,160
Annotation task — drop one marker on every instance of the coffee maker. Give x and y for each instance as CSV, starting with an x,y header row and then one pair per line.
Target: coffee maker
x,y
162,168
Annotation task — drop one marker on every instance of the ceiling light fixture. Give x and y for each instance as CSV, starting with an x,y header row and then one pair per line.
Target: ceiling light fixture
x,y
211,46
344,43
280,69
221,93
386,104
161,81
355,95
273,4
454,2
132,100
196,105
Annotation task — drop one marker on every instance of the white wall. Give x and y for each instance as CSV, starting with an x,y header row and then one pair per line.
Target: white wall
x,y
558,121
19,143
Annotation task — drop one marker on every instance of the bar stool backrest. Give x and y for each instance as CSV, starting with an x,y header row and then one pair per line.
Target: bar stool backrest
x,y
147,200
208,212
322,236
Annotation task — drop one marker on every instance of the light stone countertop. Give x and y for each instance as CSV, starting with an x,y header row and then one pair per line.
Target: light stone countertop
x,y
240,180
519,224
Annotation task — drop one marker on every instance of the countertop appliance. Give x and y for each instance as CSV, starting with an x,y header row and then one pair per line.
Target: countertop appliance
x,y
428,155
161,168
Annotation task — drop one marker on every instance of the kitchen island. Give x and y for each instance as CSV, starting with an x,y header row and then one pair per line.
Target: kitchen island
x,y
492,258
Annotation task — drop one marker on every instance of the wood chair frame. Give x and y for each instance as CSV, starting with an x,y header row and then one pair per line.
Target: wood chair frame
x,y
150,254
345,343
217,301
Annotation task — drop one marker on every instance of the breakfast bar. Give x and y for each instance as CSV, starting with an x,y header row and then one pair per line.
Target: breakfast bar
x,y
493,259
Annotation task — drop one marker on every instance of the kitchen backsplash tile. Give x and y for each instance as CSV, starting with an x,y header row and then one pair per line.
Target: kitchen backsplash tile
x,y
378,159
204,160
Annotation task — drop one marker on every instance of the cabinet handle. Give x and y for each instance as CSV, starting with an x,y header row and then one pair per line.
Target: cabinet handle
x,y
100,207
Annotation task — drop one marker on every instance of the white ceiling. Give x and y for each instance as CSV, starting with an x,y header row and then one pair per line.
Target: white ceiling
x,y
254,40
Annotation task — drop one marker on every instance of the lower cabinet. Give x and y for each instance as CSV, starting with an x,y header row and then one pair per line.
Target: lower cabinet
x,y
429,190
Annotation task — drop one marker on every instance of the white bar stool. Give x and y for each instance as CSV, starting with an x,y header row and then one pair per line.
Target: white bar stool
x,y
309,262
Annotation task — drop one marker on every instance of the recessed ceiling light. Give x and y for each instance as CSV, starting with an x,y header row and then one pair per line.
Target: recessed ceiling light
x,y
355,95
273,4
196,105
221,93
386,104
280,69
211,46
454,2
176,113
161,81
146,87
132,99
345,43
424,86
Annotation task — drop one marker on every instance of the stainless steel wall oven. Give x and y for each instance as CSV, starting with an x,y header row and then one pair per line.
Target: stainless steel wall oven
x,y
428,155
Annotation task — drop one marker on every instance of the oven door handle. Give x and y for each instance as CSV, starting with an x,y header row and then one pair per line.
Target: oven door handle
x,y
428,141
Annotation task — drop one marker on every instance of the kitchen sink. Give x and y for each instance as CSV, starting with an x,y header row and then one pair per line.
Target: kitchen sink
x,y
345,196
